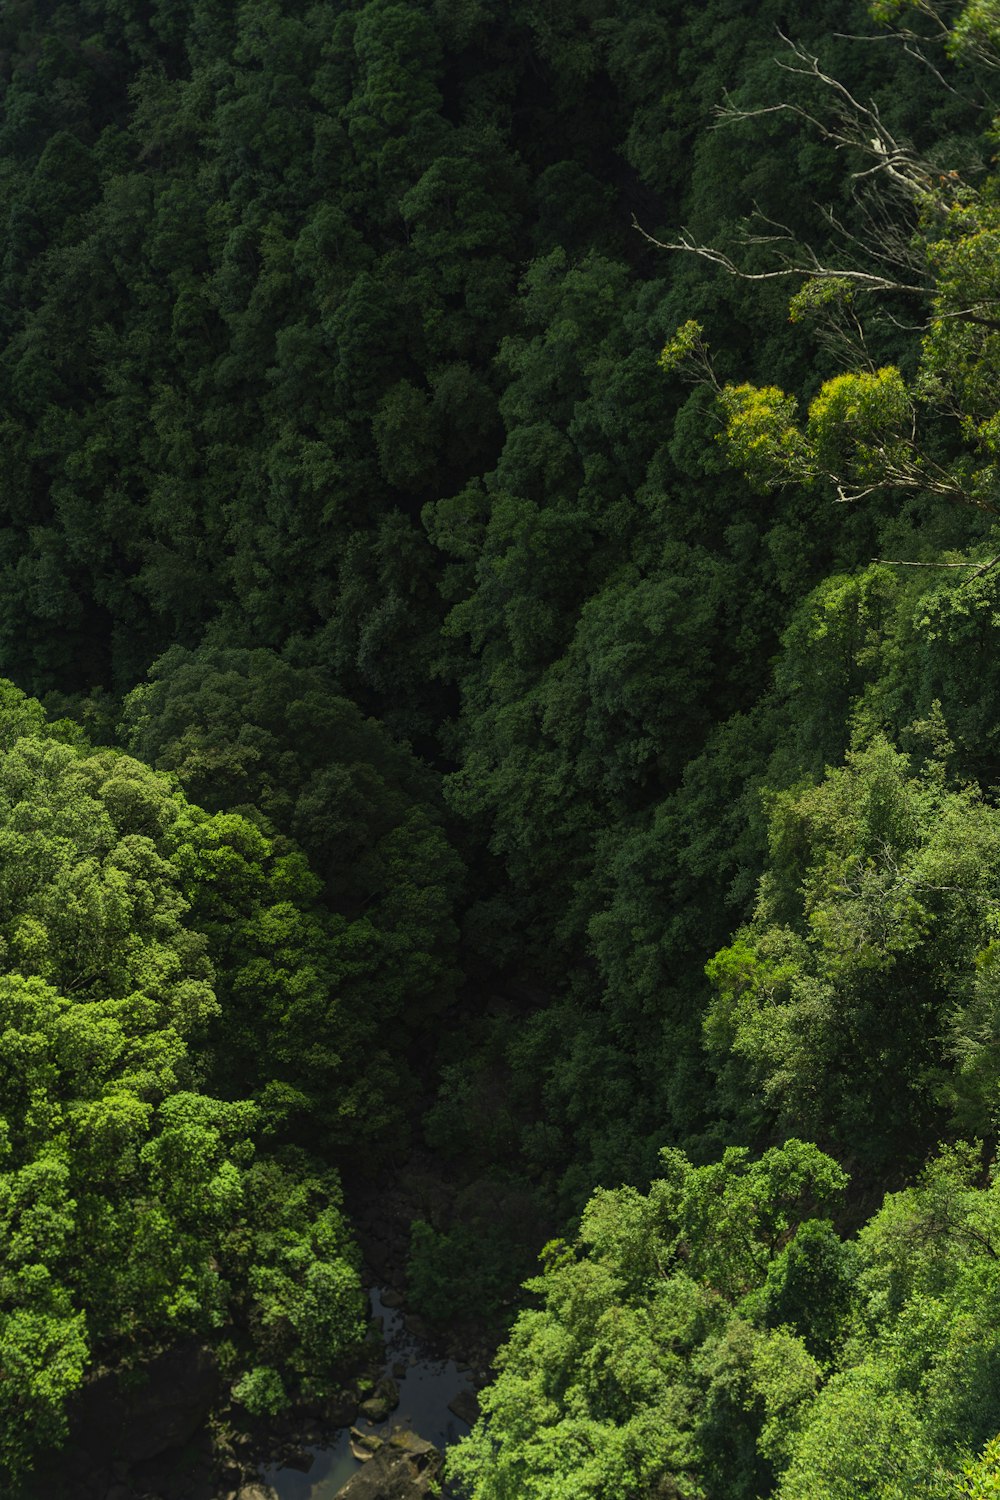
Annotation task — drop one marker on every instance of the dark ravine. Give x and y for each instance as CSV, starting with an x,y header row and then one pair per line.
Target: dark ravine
x,y
436,1370
382,1209
171,1434
168,1438
401,1429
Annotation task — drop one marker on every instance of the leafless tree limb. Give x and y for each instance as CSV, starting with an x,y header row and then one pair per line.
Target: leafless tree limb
x,y
806,264
980,568
901,198
852,124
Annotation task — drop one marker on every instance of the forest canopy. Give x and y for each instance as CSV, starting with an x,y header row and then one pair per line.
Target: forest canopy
x,y
499,597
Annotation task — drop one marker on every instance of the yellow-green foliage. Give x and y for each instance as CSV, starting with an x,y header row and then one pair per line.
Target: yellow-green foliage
x,y
981,1478
679,351
762,434
856,433
857,422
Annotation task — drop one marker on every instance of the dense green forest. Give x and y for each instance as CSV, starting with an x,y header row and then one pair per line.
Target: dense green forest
x,y
491,670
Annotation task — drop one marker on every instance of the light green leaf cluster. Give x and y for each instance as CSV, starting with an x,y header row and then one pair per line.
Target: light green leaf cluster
x,y
857,432
641,1373
981,1478
864,992
857,424
685,349
133,1207
261,1391
975,35
762,435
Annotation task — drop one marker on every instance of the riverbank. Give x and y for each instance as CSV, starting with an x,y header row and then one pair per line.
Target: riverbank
x,y
419,1405
170,1433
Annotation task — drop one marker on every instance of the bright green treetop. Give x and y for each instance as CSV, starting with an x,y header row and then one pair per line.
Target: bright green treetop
x,y
135,1207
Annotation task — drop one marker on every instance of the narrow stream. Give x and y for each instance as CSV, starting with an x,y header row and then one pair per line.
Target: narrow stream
x,y
425,1389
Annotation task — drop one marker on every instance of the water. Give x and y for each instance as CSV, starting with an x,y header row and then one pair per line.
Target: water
x,y
330,1470
424,1393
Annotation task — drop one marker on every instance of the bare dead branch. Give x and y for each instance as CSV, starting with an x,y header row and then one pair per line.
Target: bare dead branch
x,y
913,44
887,241
981,569
853,125
964,315
807,265
900,196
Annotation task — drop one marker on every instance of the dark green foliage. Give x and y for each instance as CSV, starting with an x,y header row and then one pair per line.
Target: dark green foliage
x,y
244,730
459,1274
478,702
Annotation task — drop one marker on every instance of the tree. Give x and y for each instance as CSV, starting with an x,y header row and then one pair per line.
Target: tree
x,y
928,235
866,971
135,1206
641,1374
982,1476
917,1390
316,987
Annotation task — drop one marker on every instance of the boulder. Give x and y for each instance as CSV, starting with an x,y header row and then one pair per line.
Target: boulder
x,y
374,1410
163,1410
404,1468
466,1407
388,1390
408,1441
364,1444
